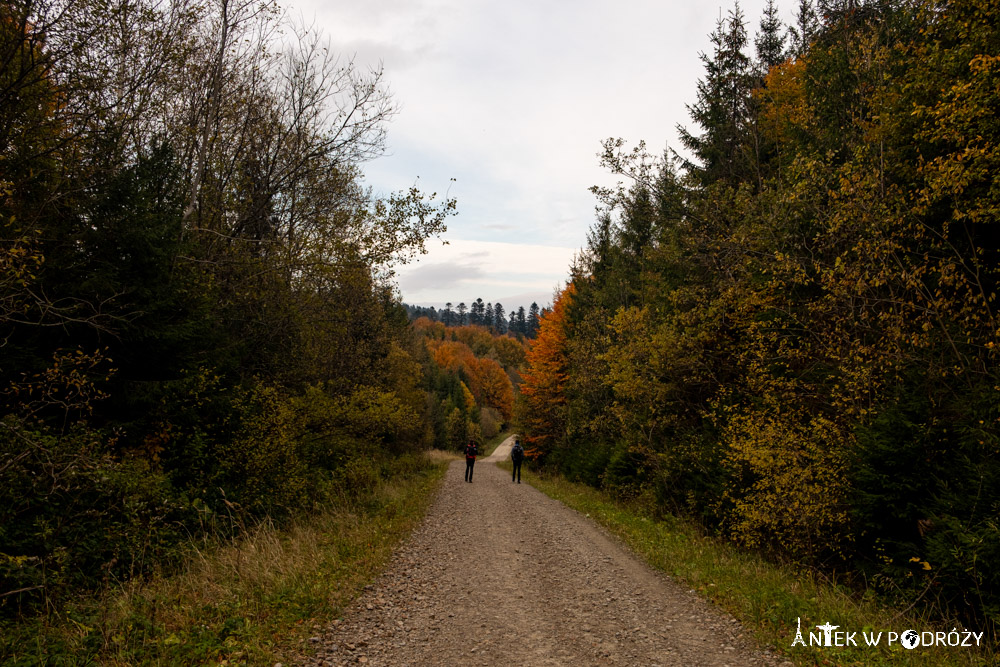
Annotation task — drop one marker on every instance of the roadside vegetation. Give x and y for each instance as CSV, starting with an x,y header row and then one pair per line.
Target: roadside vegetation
x,y
789,334
254,599
203,356
766,597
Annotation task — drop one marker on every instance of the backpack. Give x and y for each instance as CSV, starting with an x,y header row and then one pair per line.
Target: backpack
x,y
517,453
471,450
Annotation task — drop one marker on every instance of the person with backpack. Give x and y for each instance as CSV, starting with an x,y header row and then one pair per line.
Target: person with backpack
x,y
517,456
470,459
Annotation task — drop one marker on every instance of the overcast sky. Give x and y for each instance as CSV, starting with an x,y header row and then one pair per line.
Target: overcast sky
x,y
512,100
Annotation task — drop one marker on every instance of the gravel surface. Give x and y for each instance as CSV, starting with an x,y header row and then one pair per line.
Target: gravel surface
x,y
501,574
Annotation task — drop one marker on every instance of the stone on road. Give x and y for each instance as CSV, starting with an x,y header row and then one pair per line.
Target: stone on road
x,y
499,573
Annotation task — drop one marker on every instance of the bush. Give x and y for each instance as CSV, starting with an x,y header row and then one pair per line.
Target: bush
x,y
926,496
626,472
71,516
787,487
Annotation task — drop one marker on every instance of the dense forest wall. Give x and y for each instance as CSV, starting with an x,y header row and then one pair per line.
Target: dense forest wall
x,y
791,335
198,326
471,376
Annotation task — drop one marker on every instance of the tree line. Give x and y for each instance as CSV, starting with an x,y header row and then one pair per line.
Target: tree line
x,y
198,324
520,322
789,332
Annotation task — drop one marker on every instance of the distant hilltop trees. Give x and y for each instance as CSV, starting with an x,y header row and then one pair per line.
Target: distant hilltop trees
x,y
492,316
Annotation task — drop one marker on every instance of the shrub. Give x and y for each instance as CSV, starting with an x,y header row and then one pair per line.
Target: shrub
x,y
72,516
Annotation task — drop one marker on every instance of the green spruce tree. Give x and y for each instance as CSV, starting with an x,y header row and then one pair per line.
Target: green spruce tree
x,y
806,27
770,40
721,109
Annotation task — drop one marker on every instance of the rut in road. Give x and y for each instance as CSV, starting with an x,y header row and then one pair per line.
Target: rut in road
x,y
498,574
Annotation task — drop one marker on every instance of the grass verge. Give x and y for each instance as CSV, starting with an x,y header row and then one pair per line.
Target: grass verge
x,y
766,597
255,601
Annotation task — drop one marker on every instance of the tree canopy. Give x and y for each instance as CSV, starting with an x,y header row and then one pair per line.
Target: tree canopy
x,y
790,334
197,313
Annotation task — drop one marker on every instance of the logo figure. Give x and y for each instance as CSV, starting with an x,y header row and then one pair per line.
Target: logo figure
x,y
798,634
827,633
910,639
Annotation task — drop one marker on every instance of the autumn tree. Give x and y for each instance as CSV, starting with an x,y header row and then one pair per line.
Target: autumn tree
x,y
792,337
471,373
495,387
543,388
196,306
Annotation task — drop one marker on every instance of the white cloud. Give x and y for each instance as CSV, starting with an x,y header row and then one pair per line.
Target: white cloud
x,y
464,270
512,99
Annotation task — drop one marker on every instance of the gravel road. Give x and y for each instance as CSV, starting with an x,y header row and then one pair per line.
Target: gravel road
x,y
501,574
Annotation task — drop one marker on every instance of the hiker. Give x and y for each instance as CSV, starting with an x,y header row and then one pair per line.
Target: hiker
x,y
517,455
470,459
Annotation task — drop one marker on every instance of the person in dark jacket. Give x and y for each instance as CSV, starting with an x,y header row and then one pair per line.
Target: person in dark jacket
x,y
517,456
470,460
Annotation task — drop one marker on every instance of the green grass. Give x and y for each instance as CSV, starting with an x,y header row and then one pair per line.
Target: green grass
x,y
255,601
766,597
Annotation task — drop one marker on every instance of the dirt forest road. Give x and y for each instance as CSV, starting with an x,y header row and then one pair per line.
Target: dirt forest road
x,y
500,574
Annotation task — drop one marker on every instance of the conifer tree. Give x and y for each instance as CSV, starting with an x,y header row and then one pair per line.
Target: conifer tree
x,y
805,28
522,321
722,106
499,318
830,12
769,42
477,312
531,326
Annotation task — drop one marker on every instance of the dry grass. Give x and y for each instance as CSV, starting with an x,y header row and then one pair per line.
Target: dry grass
x,y
251,601
441,456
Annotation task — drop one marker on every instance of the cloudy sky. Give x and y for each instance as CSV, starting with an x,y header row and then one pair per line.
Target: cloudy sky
x,y
512,100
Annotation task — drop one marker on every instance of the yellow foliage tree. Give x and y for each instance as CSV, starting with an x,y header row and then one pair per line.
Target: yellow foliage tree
x,y
496,390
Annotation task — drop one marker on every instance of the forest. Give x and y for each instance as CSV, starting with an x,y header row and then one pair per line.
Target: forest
x,y
471,375
785,331
199,330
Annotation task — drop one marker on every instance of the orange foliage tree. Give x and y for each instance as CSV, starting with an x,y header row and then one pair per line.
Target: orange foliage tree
x,y
495,387
543,413
485,378
451,355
